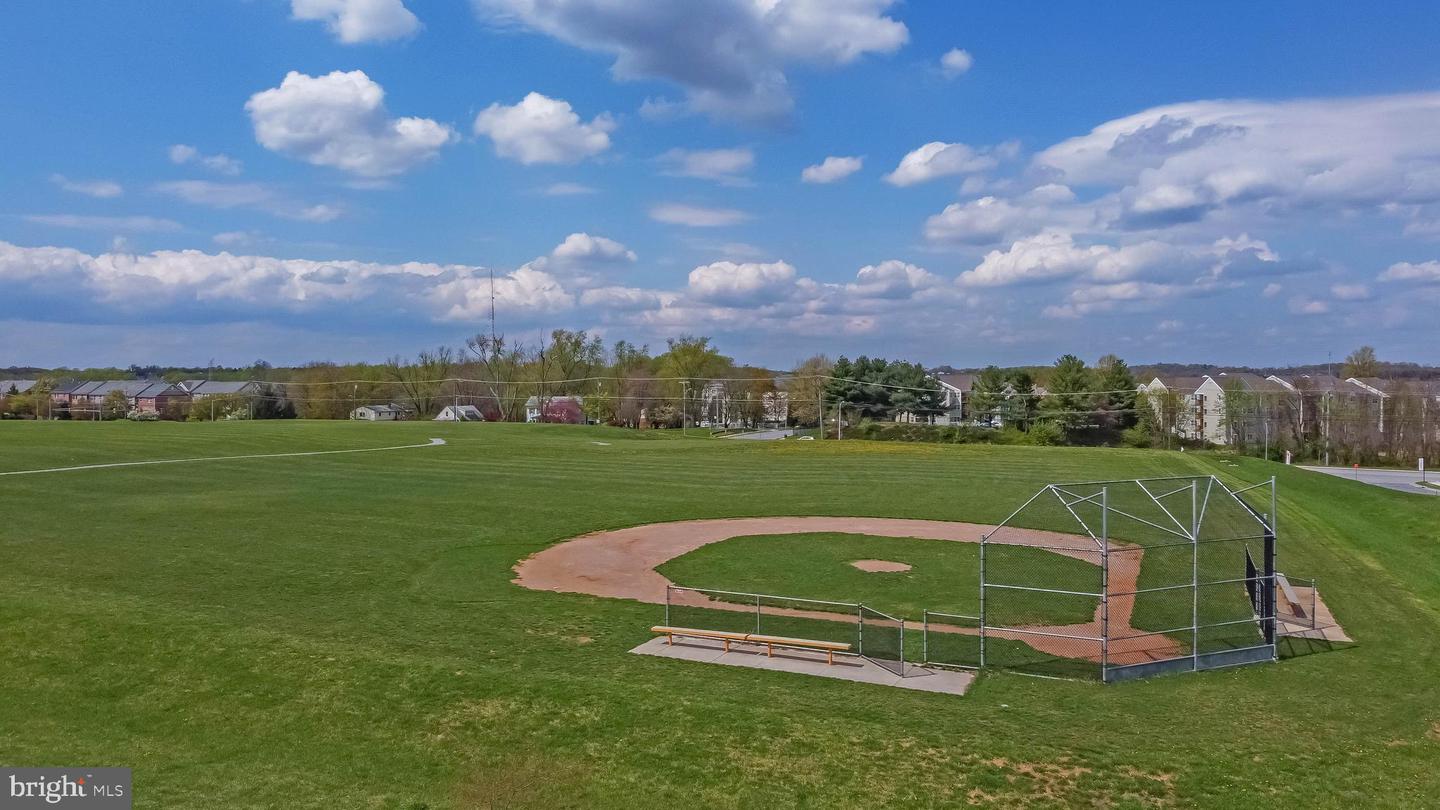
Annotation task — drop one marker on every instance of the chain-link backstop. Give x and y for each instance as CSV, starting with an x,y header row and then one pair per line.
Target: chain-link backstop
x,y
1122,579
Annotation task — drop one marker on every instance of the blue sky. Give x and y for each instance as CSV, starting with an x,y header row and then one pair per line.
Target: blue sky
x,y
338,179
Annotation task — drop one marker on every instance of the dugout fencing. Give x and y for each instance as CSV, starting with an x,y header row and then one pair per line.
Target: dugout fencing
x,y
876,636
1115,580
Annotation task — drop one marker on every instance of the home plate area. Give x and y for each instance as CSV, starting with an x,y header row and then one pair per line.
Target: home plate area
x,y
806,662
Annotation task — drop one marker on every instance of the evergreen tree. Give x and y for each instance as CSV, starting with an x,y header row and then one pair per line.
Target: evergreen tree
x,y
987,395
1019,408
1070,402
1117,398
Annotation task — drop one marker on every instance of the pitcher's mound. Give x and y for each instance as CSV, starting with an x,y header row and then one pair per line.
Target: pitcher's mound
x,y
877,566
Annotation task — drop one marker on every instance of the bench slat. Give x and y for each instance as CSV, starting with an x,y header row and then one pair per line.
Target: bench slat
x,y
691,631
798,642
751,637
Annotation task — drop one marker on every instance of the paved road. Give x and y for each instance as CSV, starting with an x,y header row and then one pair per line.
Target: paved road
x,y
1402,480
762,435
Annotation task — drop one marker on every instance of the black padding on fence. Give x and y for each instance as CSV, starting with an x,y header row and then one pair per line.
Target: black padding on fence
x,y
1212,660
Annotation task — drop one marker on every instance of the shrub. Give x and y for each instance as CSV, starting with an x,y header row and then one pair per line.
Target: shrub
x,y
1136,436
1046,434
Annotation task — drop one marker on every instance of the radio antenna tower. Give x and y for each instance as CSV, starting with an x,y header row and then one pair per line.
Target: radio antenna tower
x,y
494,348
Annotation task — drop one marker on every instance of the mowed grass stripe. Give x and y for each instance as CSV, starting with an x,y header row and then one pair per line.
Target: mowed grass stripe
x,y
245,634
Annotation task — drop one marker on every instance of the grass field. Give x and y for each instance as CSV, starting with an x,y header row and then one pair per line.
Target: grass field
x,y
943,576
341,631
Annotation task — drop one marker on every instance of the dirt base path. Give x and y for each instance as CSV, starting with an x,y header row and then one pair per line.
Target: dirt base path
x,y
621,564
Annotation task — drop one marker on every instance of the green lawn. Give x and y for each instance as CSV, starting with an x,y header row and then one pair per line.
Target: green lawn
x,y
944,576
341,631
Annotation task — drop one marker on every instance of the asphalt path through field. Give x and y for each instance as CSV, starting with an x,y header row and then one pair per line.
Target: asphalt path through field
x,y
1402,480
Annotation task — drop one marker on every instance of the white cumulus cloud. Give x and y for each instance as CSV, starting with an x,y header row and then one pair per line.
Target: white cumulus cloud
x,y
938,159
1045,256
540,129
1181,162
340,120
729,56
892,279
731,284
956,62
356,21
831,169
1410,271
584,247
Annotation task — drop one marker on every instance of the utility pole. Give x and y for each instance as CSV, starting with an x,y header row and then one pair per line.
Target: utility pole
x,y
1330,386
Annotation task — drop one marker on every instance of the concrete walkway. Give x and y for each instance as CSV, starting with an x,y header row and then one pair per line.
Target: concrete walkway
x,y
1400,480
806,662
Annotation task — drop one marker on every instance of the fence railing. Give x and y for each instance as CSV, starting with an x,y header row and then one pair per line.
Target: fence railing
x,y
872,634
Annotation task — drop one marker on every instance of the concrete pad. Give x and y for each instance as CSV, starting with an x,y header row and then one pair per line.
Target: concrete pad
x,y
808,662
1322,626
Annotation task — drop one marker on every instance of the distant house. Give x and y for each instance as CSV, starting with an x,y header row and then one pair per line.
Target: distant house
x,y
1238,407
61,392
1179,405
460,413
12,387
557,409
158,397
956,395
92,396
376,413
202,389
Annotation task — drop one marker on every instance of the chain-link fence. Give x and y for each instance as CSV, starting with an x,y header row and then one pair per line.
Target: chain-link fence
x,y
1109,580
876,636
1122,579
882,639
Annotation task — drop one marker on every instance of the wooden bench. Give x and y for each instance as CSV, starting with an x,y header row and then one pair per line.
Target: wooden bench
x,y
770,642
1288,594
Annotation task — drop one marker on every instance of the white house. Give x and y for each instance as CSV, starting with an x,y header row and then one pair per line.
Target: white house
x,y
957,400
1190,416
460,413
376,413
955,390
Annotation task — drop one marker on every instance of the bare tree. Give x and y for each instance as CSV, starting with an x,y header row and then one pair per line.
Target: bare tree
x,y
420,381
502,365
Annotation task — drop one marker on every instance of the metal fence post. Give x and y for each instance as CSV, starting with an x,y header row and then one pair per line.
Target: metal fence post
x,y
667,605
1314,595
925,637
860,628
757,613
902,648
983,538
1104,582
1194,576
1267,598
